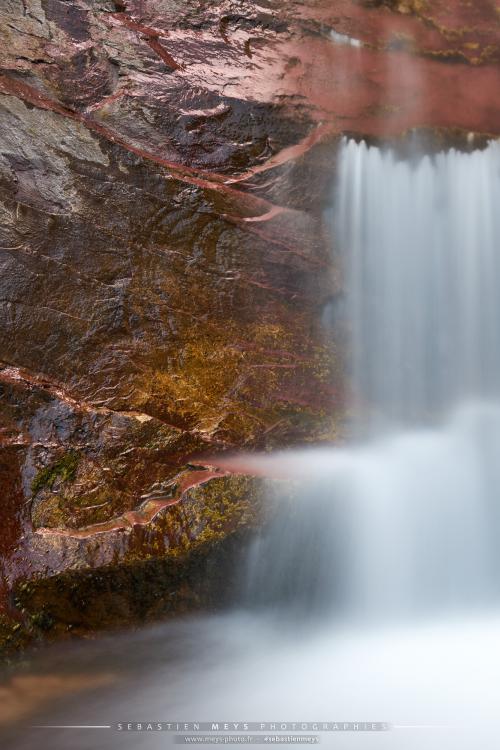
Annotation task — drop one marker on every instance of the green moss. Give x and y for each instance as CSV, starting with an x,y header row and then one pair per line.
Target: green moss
x,y
14,637
64,469
42,620
227,505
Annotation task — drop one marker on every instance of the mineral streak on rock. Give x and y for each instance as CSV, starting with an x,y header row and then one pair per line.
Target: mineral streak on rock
x,y
164,170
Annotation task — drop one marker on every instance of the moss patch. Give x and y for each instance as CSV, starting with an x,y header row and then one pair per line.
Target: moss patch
x,y
64,469
14,636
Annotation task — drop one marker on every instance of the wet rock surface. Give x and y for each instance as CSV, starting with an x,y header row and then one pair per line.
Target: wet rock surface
x,y
165,258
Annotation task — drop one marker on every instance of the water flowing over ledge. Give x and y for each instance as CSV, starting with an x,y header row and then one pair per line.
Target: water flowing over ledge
x,y
403,522
421,241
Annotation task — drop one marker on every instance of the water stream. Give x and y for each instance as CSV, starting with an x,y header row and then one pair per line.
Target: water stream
x,y
374,598
423,256
404,523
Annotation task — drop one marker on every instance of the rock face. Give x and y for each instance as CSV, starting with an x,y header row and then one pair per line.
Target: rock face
x,y
165,257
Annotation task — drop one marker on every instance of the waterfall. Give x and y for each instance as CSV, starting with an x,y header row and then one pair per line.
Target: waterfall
x,y
422,246
405,521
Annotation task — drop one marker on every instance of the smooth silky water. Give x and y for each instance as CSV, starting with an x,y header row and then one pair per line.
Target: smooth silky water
x,y
373,596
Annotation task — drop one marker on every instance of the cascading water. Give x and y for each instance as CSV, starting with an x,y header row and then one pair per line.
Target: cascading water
x,y
407,522
422,241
